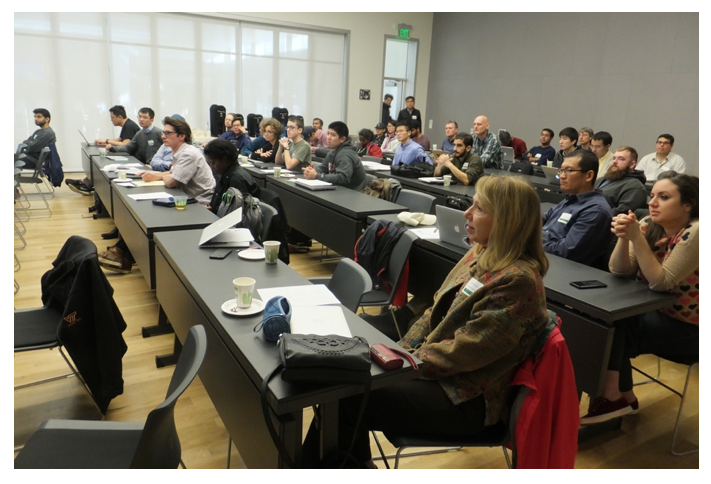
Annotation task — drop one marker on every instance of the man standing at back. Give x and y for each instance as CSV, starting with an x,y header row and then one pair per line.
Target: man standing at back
x,y
409,113
387,101
662,160
623,186
486,144
40,139
342,165
578,228
146,142
128,128
544,153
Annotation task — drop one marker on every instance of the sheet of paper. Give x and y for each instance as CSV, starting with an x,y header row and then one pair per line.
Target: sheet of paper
x,y
311,295
432,179
126,184
321,320
150,196
157,183
312,183
429,233
117,158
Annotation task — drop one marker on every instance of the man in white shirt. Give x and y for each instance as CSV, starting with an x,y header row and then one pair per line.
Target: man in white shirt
x,y
662,160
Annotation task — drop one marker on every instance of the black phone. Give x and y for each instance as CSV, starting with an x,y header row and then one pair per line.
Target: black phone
x,y
220,254
588,284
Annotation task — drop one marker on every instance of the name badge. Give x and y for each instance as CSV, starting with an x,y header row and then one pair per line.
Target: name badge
x,y
150,142
414,117
465,166
564,218
472,286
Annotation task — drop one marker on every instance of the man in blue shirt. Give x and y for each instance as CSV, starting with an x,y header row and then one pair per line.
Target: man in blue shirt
x,y
408,152
541,155
450,131
578,228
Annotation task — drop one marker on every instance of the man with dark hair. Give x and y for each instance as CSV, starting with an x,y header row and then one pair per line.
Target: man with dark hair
x,y
568,145
408,152
317,139
222,156
662,160
409,113
379,134
450,131
342,165
518,145
585,136
40,139
189,171
294,151
486,144
146,142
464,165
578,228
128,128
544,153
600,145
418,137
623,186
387,101
237,134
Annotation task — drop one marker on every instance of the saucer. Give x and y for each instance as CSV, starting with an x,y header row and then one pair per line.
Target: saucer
x,y
251,254
230,307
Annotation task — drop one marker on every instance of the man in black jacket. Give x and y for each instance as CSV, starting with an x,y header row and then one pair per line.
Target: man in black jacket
x,y
410,113
623,186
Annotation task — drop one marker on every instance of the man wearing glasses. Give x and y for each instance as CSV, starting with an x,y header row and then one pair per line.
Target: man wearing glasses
x,y
294,151
578,228
662,160
146,142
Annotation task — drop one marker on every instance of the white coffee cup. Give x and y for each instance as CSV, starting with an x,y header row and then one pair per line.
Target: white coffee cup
x,y
122,175
244,291
447,180
434,147
277,171
271,251
549,163
102,152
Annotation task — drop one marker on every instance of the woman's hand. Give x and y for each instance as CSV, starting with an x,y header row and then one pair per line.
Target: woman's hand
x,y
626,226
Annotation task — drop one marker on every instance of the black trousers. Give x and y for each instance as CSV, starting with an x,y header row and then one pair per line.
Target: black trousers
x,y
654,333
417,405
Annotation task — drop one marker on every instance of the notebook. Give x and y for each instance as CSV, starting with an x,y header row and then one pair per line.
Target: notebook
x,y
451,226
551,174
221,234
314,184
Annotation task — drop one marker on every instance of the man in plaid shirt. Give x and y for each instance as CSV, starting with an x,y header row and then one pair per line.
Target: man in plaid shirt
x,y
486,144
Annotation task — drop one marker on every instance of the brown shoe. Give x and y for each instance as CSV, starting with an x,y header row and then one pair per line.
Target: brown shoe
x,y
114,260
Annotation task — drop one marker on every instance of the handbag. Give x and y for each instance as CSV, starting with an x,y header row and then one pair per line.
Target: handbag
x,y
417,169
460,203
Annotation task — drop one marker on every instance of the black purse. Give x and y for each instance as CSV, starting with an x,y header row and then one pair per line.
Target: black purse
x,y
460,203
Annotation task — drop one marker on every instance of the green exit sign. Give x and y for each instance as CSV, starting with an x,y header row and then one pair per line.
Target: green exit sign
x,y
404,33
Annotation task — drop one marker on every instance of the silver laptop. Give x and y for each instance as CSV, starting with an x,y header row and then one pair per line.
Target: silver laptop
x,y
220,233
88,143
507,154
551,174
451,226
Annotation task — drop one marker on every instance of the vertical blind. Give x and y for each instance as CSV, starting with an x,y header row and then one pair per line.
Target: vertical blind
x,y
78,65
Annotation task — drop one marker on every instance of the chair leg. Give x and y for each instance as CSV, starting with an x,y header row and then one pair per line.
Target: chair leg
x,y
506,455
392,313
653,379
229,451
678,416
380,448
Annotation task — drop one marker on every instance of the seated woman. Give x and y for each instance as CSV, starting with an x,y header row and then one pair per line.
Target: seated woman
x,y
367,146
222,157
270,129
663,249
484,322
390,142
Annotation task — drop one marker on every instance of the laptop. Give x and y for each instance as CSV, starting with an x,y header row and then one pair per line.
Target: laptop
x,y
88,143
451,226
220,234
507,154
315,185
551,174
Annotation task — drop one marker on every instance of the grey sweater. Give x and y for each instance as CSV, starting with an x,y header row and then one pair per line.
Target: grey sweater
x,y
40,139
143,146
342,167
627,193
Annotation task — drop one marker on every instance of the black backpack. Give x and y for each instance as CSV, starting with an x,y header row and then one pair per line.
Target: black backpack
x,y
217,120
251,212
462,202
417,169
373,248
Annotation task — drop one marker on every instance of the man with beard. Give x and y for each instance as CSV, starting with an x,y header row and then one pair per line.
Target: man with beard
x,y
464,165
544,153
40,139
623,186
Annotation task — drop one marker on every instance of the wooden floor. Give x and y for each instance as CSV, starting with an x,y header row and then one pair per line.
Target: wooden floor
x,y
642,442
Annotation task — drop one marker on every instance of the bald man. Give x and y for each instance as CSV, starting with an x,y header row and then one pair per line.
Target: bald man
x,y
486,144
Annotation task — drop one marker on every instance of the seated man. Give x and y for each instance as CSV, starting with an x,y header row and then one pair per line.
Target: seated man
x,y
486,144
40,139
229,118
294,151
237,135
342,165
318,137
379,134
418,137
600,145
222,156
578,228
662,160
146,142
518,145
408,152
623,186
128,128
450,131
465,165
544,153
162,160
585,137
568,145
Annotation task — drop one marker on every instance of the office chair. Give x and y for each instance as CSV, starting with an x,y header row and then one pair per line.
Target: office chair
x,y
372,158
77,444
416,201
369,178
268,213
349,283
36,179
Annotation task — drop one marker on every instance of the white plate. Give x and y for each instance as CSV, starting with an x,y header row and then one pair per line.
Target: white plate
x,y
230,307
251,254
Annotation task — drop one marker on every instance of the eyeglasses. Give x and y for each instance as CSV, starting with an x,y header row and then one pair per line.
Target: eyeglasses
x,y
663,143
567,171
168,133
289,128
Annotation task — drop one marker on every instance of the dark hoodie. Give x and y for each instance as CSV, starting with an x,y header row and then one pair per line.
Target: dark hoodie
x,y
627,193
342,167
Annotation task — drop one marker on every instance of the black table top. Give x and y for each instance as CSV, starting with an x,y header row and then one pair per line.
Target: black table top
x,y
210,284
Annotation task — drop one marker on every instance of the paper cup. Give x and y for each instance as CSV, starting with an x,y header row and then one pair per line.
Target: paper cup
x,y
549,163
271,251
447,180
122,175
180,201
277,171
102,152
244,290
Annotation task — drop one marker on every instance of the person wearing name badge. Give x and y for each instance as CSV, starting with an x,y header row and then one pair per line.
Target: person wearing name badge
x,y
341,165
409,151
464,165
409,113
482,325
144,144
577,228
540,155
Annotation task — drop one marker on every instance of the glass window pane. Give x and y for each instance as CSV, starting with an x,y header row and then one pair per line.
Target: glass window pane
x,y
32,22
293,45
218,37
87,25
396,59
178,89
256,41
219,81
176,32
326,47
293,85
132,77
134,28
256,91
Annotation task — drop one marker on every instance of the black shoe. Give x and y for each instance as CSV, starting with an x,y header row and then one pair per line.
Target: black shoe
x,y
113,234
78,187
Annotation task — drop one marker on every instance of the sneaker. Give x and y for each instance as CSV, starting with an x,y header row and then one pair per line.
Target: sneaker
x,y
634,406
78,187
114,260
603,410
112,234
